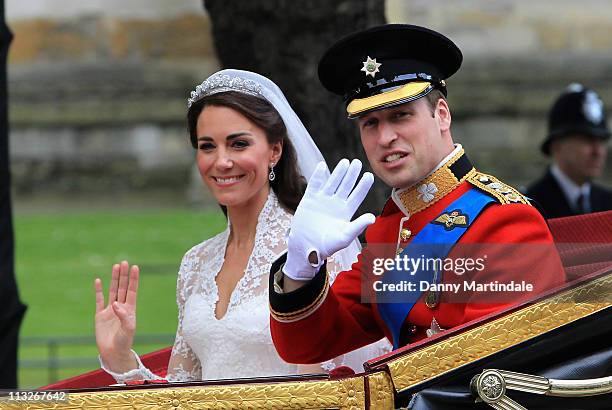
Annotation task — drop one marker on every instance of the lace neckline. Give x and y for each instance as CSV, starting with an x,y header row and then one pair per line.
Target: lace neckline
x,y
251,278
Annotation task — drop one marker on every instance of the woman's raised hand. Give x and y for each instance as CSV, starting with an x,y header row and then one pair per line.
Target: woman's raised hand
x,y
116,321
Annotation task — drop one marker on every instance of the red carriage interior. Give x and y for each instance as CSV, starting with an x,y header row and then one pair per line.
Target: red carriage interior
x,y
584,243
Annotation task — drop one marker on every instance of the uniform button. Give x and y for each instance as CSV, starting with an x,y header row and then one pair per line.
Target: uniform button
x,y
405,234
351,393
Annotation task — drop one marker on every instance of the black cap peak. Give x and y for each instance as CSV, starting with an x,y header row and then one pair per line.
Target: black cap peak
x,y
382,59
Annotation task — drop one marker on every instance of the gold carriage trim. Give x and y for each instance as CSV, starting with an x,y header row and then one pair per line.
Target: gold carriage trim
x,y
380,389
348,393
434,187
517,327
504,193
287,317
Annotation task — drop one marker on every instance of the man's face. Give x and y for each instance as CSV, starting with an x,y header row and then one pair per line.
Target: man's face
x,y
404,143
581,157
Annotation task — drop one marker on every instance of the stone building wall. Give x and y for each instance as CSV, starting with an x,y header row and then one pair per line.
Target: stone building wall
x,y
97,89
98,95
518,57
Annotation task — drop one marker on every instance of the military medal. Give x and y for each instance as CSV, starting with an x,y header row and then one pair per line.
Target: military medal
x,y
433,296
434,329
432,299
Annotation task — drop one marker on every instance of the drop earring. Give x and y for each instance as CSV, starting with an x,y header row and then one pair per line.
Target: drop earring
x,y
271,175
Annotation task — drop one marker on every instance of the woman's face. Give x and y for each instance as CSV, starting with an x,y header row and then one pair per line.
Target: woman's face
x,y
234,156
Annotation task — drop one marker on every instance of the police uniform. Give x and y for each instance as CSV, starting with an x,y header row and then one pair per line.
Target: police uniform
x,y
454,206
577,111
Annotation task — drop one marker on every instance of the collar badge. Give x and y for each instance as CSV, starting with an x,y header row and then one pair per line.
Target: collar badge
x,y
427,192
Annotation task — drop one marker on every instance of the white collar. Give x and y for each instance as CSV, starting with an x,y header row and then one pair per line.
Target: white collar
x,y
570,189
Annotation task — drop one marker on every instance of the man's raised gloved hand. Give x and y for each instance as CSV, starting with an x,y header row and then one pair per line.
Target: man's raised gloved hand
x,y
322,222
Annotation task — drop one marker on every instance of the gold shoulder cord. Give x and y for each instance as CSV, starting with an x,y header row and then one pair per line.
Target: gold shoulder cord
x,y
504,193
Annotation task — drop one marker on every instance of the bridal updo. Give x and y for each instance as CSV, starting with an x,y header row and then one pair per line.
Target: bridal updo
x,y
289,185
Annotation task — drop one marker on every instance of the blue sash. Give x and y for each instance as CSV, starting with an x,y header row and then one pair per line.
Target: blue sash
x,y
435,240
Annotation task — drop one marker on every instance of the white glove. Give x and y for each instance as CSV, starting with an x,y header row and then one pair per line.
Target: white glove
x,y
322,221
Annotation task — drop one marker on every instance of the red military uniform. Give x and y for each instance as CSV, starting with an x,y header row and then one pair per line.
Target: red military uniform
x,y
316,323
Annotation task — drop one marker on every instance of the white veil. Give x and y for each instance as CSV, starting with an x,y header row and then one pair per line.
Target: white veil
x,y
308,157
307,152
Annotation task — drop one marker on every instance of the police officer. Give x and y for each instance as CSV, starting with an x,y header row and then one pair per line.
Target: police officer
x,y
577,143
393,80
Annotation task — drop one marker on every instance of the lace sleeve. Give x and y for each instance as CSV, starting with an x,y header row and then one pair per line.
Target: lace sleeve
x,y
184,365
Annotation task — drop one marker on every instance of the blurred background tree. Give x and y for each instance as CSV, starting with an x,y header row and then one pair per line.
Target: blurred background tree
x,y
284,41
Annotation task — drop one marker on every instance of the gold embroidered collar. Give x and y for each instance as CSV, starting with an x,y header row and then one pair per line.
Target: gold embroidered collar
x,y
436,185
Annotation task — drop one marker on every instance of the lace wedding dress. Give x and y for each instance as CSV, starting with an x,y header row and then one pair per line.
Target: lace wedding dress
x,y
238,344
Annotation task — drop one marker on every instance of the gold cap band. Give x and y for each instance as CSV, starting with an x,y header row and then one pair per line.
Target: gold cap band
x,y
405,93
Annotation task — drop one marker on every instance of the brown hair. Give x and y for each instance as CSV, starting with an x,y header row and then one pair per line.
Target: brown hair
x,y
432,98
289,184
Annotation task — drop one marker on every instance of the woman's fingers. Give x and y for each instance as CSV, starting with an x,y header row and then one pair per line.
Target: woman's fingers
x,y
99,295
123,281
132,291
123,287
120,311
125,316
114,285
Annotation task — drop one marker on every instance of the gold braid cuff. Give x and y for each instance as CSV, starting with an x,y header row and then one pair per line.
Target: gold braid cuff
x,y
288,317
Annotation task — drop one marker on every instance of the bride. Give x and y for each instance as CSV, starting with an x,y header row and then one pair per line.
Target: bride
x,y
254,155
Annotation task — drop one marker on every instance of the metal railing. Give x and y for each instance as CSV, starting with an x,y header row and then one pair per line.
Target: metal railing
x,y
53,361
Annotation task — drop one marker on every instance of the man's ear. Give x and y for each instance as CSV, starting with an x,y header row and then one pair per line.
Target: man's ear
x,y
442,112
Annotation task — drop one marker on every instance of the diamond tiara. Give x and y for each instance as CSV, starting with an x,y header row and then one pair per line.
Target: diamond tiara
x,y
222,82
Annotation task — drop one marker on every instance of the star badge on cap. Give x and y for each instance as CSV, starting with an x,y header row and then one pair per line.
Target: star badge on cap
x,y
370,67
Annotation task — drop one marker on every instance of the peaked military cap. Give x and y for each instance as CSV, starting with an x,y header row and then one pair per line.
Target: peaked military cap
x,y
579,111
388,65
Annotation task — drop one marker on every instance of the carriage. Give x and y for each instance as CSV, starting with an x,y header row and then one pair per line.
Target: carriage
x,y
551,352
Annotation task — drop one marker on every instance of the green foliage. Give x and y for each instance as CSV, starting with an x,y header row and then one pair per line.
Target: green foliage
x,y
58,256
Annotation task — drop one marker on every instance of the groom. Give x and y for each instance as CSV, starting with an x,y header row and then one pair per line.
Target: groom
x,y
393,80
